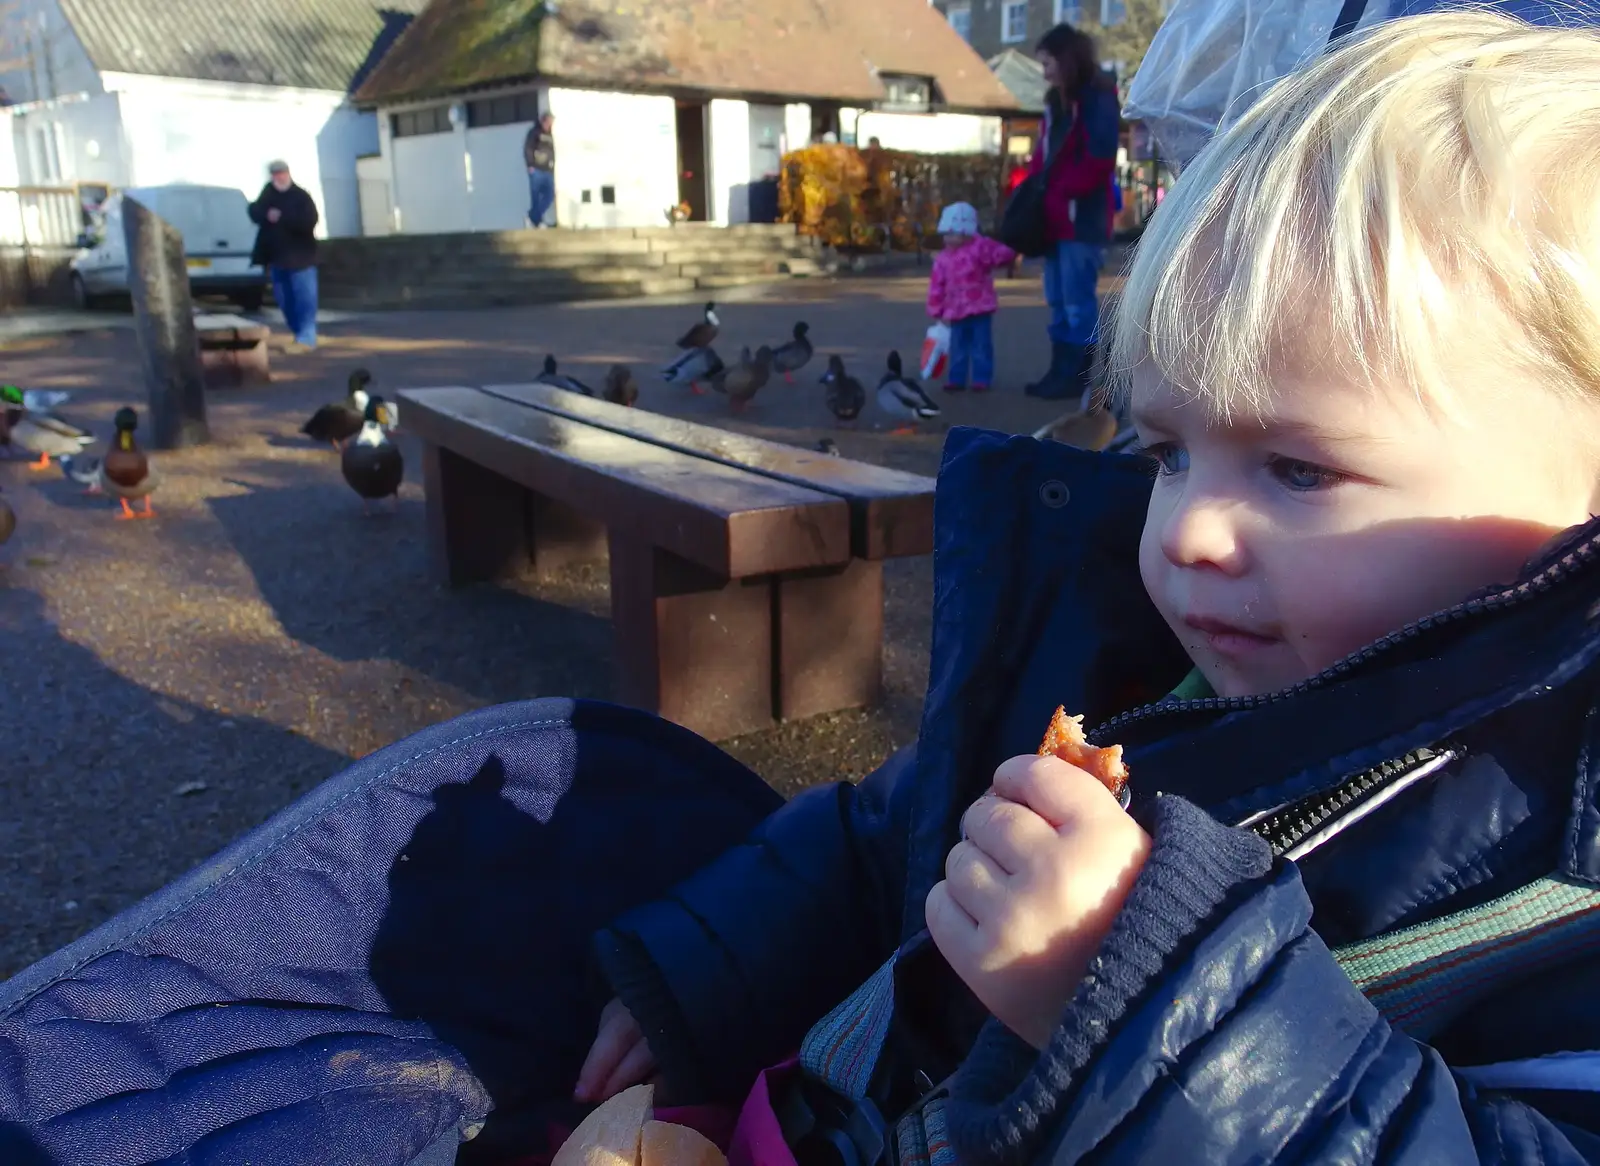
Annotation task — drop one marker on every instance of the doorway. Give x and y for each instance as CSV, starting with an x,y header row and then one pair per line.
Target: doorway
x,y
692,158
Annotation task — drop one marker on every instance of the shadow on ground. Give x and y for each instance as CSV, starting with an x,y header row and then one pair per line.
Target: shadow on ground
x,y
86,747
357,588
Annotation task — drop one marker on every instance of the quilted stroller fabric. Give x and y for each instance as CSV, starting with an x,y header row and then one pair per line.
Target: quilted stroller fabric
x,y
392,965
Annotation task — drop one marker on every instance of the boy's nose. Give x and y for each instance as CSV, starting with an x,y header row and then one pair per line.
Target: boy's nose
x,y
1204,532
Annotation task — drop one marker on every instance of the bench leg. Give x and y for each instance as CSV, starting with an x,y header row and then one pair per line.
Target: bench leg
x,y
477,520
830,639
695,648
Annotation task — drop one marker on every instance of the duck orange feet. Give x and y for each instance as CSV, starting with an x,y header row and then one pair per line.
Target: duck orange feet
x,y
42,464
127,511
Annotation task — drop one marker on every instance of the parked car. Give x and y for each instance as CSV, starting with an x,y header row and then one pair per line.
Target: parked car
x,y
217,239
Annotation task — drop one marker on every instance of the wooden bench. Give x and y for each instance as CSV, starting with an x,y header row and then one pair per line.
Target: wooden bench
x,y
233,350
746,575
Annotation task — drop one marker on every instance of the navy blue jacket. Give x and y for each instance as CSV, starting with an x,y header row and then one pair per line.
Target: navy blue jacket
x,y
1274,1055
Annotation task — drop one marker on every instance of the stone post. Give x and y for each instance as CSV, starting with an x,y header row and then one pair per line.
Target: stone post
x,y
163,315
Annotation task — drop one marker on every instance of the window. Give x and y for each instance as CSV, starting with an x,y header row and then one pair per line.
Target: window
x,y
502,111
1069,12
1014,22
913,94
433,120
961,20
1112,12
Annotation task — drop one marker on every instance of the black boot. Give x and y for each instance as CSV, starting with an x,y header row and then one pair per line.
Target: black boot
x,y
1062,380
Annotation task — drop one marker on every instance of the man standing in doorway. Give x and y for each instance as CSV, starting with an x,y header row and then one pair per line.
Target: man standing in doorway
x,y
539,152
287,246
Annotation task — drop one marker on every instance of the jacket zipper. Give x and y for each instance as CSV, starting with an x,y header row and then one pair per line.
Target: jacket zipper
x,y
1538,584
1287,827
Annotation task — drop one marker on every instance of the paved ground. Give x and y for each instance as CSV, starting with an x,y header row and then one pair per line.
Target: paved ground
x,y
172,683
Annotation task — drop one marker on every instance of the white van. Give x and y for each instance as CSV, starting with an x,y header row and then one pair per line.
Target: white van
x,y
218,237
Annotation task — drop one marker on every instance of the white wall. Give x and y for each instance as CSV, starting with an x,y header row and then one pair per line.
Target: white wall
x,y
498,177
225,134
796,127
377,206
430,183
628,141
728,125
72,140
925,133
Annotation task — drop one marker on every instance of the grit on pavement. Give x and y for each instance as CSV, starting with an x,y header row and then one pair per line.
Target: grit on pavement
x,y
171,683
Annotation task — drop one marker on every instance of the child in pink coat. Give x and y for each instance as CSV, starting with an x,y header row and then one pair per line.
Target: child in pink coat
x,y
961,293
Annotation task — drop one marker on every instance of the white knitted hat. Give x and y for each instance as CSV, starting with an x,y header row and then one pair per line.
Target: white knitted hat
x,y
958,219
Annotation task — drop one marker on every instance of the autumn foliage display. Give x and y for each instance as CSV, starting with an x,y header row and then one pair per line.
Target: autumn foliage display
x,y
877,200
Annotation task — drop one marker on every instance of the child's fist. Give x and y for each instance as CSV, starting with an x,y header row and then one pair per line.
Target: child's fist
x,y
1030,892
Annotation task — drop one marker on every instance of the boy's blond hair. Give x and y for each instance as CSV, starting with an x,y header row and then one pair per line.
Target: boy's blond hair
x,y
1361,194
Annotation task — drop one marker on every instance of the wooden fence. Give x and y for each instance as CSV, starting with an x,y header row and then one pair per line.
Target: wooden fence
x,y
39,228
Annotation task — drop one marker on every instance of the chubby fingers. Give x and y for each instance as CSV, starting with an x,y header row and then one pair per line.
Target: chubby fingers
x,y
1057,792
1006,830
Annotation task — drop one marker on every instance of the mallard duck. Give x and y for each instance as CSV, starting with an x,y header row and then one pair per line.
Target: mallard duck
x,y
372,463
694,366
337,424
620,387
846,398
125,471
39,433
744,380
703,333
903,398
559,380
795,355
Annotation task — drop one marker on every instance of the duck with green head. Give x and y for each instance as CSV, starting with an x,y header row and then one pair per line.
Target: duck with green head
x,y
125,471
38,432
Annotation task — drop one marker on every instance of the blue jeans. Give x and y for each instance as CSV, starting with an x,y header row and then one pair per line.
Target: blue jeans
x,y
541,195
972,344
1071,272
296,293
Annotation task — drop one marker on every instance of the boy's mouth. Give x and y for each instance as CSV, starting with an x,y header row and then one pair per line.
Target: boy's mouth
x,y
1229,639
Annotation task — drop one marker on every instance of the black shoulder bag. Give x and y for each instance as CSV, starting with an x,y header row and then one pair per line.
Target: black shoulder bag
x,y
1022,226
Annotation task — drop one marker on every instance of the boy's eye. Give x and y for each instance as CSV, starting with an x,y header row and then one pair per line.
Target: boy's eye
x,y
1168,457
1299,475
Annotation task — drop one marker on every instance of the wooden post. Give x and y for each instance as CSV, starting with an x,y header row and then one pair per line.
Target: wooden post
x,y
163,315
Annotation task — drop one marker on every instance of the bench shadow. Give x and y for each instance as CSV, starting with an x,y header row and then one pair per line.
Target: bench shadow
x,y
358,588
111,790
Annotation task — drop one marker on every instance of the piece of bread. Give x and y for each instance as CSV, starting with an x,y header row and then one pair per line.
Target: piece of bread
x,y
665,1144
1064,739
610,1135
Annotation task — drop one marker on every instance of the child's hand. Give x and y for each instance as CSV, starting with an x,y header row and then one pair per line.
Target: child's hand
x,y
619,1058
1031,891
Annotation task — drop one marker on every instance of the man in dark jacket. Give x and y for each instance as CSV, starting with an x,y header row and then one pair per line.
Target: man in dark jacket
x,y
539,154
286,244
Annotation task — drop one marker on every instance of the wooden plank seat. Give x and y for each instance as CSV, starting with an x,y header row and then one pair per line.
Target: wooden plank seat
x,y
891,511
732,599
233,350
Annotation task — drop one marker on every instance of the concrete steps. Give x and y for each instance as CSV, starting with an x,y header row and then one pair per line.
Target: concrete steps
x,y
520,267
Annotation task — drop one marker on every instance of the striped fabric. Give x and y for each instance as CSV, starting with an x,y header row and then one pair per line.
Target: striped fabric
x,y
843,1048
922,1138
1422,977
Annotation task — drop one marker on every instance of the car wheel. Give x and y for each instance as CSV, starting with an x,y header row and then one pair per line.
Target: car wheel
x,y
249,301
80,294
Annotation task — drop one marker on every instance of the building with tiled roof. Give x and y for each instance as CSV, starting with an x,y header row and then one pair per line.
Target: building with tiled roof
x,y
116,93
659,103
